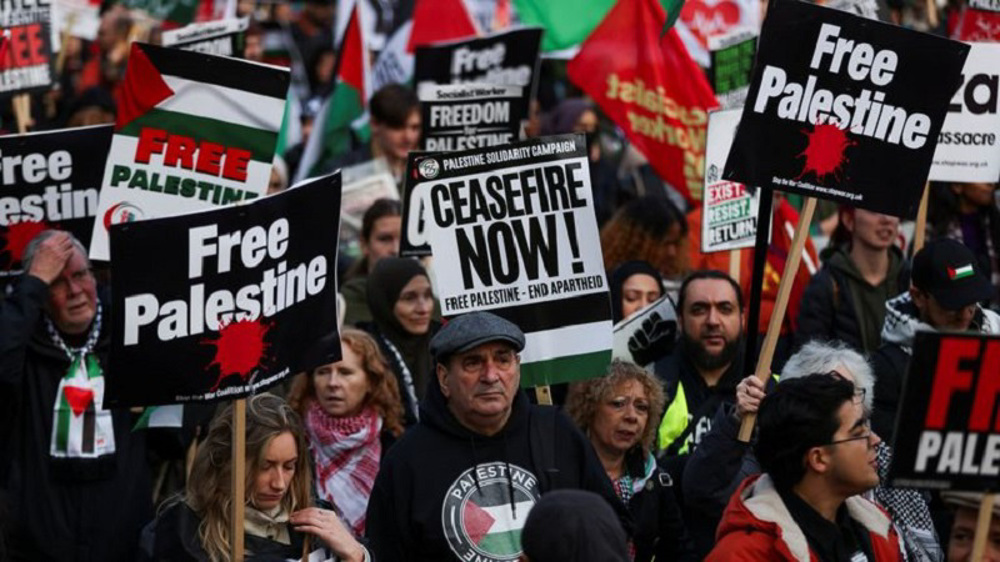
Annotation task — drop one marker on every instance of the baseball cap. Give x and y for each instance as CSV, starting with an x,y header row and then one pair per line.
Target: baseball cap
x,y
474,329
950,272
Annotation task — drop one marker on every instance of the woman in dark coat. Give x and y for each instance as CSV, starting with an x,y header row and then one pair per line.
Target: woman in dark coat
x,y
402,304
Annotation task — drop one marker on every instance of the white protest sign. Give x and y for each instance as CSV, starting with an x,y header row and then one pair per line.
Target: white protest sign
x,y
968,148
729,218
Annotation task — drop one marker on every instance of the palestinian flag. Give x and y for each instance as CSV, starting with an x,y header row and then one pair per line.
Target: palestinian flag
x,y
188,117
960,272
564,340
493,528
161,416
341,120
81,427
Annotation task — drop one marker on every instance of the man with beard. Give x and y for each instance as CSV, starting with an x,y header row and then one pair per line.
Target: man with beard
x,y
707,365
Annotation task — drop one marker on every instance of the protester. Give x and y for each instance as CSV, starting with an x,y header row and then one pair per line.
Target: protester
x,y
968,212
861,271
402,302
380,235
722,462
618,414
634,285
480,448
649,229
277,516
395,130
62,454
706,366
572,526
963,529
947,285
817,450
352,414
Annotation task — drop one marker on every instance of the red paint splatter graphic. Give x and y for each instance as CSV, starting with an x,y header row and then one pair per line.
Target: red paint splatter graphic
x,y
825,153
17,236
239,348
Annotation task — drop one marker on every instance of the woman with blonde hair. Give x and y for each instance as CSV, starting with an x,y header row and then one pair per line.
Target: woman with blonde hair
x,y
277,517
352,413
619,414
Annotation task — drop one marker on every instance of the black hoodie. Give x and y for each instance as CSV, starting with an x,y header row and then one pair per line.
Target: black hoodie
x,y
445,492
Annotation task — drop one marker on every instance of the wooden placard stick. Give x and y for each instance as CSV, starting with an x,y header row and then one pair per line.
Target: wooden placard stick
x,y
932,15
21,104
543,394
983,527
763,370
238,478
920,230
734,264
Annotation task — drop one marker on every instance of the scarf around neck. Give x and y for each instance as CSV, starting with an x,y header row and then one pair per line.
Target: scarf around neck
x,y
346,451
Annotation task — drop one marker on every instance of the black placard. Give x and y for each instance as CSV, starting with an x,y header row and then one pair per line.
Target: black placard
x,y
48,180
201,315
26,61
947,432
509,58
818,68
467,116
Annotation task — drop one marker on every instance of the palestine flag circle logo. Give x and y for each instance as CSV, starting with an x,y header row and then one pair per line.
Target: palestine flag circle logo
x,y
479,521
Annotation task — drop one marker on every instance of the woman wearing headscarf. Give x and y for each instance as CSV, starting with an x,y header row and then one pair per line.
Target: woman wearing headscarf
x,y
634,285
402,304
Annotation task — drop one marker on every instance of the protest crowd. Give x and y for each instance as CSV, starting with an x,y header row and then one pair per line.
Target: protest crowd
x,y
484,280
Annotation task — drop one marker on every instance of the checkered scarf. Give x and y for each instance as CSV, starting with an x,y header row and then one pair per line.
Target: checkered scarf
x,y
346,451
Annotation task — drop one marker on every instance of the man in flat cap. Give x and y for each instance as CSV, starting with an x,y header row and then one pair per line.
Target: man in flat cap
x,y
459,484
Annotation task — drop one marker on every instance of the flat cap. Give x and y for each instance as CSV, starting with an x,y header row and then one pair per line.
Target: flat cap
x,y
474,329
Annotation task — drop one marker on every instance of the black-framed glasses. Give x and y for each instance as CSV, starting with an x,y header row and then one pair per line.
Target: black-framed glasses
x,y
867,435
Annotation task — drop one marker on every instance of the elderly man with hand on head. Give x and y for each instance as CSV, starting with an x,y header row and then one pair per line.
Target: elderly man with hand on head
x,y
460,483
74,473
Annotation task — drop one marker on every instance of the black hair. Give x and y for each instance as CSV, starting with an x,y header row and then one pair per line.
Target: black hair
x,y
392,105
799,414
707,274
383,207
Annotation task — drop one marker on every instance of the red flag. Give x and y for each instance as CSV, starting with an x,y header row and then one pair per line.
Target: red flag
x,y
651,88
440,20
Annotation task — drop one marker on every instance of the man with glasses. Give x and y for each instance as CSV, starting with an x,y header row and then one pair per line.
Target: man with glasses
x,y
460,483
72,471
817,450
947,285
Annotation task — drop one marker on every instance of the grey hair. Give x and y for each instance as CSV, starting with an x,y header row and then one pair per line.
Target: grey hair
x,y
823,357
32,247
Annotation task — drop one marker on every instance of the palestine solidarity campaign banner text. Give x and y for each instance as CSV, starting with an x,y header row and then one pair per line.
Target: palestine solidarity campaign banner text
x,y
48,180
193,132
844,108
516,224
224,303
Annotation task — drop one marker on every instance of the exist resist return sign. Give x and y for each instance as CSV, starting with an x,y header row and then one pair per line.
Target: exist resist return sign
x,y
844,108
223,303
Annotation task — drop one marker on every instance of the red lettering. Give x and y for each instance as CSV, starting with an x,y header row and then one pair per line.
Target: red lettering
x,y
237,160
180,149
150,142
19,46
948,378
36,53
209,158
987,390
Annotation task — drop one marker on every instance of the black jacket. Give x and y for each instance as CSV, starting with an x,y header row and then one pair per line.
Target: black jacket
x,y
62,509
659,530
445,492
713,472
831,311
173,537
